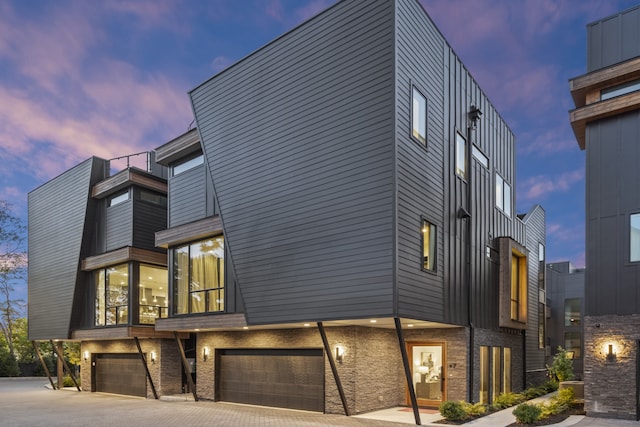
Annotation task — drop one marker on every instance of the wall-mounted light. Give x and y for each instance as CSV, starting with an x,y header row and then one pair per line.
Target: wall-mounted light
x,y
611,354
153,357
339,353
205,353
85,355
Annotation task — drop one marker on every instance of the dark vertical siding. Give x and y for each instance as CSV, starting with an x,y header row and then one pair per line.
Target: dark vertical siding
x,y
148,218
57,221
611,197
119,225
298,138
613,39
188,196
420,191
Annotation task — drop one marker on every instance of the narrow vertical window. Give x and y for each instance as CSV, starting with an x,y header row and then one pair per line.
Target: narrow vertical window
x,y
572,312
507,199
542,328
506,370
496,361
503,195
100,303
484,374
518,287
634,238
499,195
419,116
428,245
461,156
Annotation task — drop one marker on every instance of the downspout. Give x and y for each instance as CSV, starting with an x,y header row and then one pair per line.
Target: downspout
x,y
474,116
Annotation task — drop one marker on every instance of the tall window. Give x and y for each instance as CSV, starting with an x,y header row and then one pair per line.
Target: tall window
x,y
484,374
503,195
634,238
112,295
153,293
198,277
542,318
506,373
572,312
418,116
518,287
495,372
461,156
428,245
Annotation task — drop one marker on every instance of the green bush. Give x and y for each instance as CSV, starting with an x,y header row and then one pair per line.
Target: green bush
x,y
506,400
452,410
473,409
527,414
550,386
533,392
558,403
561,368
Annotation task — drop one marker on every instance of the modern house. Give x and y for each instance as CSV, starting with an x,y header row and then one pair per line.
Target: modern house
x,y
606,122
340,234
565,311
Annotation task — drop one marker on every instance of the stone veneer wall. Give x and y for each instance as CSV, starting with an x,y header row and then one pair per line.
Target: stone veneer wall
x,y
490,338
166,372
610,386
371,372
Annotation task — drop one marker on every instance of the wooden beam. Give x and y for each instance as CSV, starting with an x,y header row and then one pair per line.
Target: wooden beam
x,y
334,369
60,353
185,365
146,368
36,347
407,371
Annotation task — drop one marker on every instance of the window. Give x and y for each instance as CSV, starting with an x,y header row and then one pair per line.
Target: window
x,y
461,156
484,374
573,343
419,116
178,168
154,198
153,294
513,284
118,198
542,327
428,245
506,373
479,156
518,287
572,312
503,195
622,89
634,238
112,296
495,372
198,277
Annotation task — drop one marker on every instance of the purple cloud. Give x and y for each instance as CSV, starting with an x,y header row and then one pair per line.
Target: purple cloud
x,y
538,187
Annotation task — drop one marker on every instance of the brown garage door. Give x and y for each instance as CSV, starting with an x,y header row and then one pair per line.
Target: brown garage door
x,y
119,374
285,378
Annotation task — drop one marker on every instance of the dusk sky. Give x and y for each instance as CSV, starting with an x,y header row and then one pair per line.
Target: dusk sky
x,y
110,78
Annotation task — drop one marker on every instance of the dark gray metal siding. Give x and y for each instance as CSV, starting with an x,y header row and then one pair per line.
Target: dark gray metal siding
x,y
613,39
188,196
119,224
148,218
299,142
612,195
59,216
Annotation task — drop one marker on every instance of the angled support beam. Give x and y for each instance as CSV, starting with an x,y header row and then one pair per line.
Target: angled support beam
x,y
334,369
64,363
185,365
36,347
407,371
146,367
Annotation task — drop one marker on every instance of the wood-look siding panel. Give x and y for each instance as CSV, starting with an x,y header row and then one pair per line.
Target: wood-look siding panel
x,y
299,142
187,196
119,225
58,218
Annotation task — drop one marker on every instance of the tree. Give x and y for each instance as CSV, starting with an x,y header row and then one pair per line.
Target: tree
x,y
561,368
13,261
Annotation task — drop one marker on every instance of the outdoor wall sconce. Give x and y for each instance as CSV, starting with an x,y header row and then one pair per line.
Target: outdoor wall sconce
x,y
611,355
339,353
153,357
205,353
86,355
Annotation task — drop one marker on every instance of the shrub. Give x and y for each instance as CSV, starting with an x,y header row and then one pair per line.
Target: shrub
x,y
550,386
506,400
561,368
68,382
558,403
533,392
527,414
452,410
474,409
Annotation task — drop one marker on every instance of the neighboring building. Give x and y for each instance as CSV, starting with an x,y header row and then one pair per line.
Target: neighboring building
x,y
606,123
565,302
340,234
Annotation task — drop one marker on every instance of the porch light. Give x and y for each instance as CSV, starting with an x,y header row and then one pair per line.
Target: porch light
x,y
339,353
610,352
86,355
153,357
205,353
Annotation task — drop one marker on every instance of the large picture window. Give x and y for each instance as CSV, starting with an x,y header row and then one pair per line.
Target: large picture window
x,y
198,277
153,293
112,296
429,235
418,116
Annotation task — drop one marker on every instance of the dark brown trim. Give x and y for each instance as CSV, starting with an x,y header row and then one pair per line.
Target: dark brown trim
x,y
123,255
182,146
334,369
185,365
146,368
190,232
407,371
127,178
117,333
36,347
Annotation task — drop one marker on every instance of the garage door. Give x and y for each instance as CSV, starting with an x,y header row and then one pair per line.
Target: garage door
x,y
119,374
272,377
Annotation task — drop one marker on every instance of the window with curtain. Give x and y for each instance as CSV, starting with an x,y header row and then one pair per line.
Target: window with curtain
x,y
198,278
